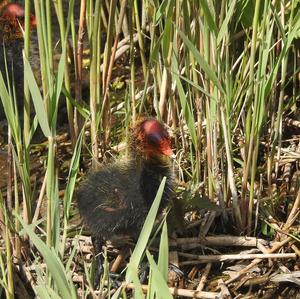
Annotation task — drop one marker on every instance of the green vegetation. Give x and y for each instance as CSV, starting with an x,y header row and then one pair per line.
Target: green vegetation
x,y
224,75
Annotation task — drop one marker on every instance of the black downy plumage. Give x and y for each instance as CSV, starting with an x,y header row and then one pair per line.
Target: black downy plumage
x,y
114,201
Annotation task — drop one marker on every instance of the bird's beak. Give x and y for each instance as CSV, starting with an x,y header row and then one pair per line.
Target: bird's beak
x,y
168,152
165,148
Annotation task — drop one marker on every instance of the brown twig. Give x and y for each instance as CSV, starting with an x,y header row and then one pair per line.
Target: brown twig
x,y
204,277
275,247
210,218
78,64
120,258
181,292
173,275
40,200
220,241
225,257
294,212
225,294
296,249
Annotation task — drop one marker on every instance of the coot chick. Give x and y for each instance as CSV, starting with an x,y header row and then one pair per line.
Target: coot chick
x,y
114,201
11,36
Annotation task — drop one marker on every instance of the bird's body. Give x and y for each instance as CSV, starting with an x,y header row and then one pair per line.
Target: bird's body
x,y
115,200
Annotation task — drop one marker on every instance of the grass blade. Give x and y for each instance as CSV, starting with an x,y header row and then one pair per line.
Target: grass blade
x,y
145,233
37,99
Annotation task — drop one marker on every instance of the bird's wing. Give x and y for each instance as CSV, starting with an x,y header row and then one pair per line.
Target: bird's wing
x,y
114,201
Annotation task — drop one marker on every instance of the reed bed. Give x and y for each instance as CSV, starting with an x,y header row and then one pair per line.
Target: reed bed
x,y
224,76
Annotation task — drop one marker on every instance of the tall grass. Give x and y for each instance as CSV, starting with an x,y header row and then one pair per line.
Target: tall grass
x,y
217,72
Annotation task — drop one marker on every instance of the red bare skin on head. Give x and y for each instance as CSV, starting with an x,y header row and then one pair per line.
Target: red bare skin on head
x,y
155,137
15,11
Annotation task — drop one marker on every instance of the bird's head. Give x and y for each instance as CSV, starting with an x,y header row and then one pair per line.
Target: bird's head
x,y
14,13
151,139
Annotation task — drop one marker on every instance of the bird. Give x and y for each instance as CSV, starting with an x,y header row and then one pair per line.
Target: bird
x,y
114,201
12,17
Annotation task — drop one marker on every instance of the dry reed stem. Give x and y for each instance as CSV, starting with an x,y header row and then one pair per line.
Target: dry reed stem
x,y
137,97
120,52
296,249
181,292
120,258
199,259
254,281
78,52
173,276
263,249
235,201
223,241
192,273
209,220
165,86
275,247
40,200
294,212
292,122
203,279
280,231
173,260
193,224
225,294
